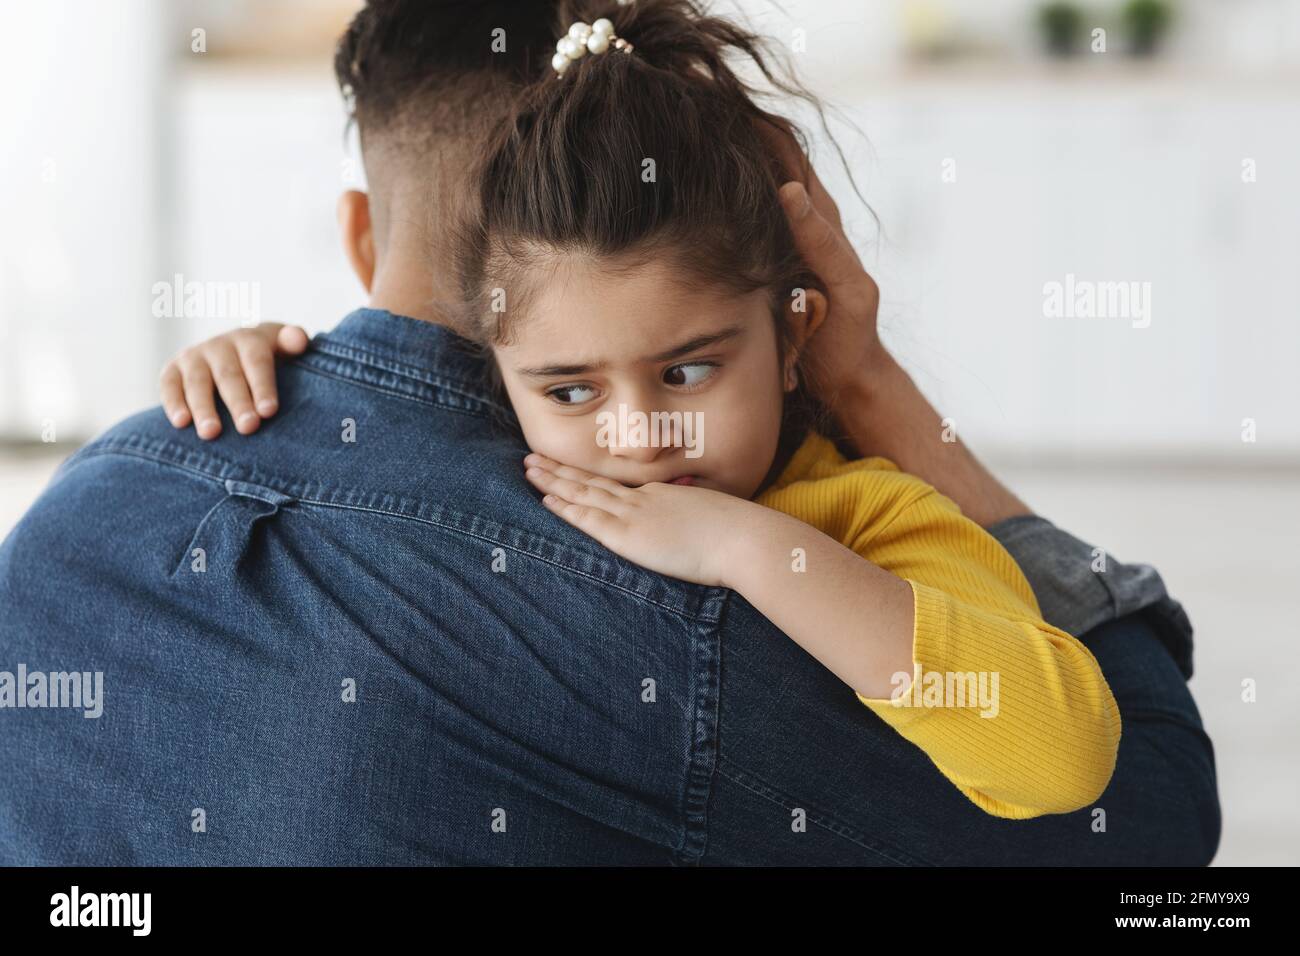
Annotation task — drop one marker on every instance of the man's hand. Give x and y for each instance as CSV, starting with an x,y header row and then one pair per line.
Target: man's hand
x,y
872,397
242,365
847,342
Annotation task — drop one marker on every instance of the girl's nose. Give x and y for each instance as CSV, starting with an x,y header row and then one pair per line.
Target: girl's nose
x,y
635,450
635,434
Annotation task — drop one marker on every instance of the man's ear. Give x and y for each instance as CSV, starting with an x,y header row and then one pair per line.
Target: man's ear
x,y
358,235
804,314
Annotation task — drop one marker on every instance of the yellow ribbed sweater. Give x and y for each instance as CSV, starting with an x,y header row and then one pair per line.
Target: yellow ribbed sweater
x,y
1051,746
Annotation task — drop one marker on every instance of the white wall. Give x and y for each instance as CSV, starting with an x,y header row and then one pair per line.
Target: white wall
x,y
1137,180
1106,168
260,162
79,200
164,164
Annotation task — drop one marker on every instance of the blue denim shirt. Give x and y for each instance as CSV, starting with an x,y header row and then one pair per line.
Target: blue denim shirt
x,y
357,637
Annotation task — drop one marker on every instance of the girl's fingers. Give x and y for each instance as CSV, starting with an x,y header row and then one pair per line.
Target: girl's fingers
x,y
173,396
197,383
589,520
291,340
223,360
578,492
258,362
576,474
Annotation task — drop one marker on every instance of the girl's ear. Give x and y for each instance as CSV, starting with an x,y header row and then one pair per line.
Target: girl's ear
x,y
358,235
804,314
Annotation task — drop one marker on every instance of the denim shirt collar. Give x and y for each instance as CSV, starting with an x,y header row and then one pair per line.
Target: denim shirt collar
x,y
407,355
424,345
420,346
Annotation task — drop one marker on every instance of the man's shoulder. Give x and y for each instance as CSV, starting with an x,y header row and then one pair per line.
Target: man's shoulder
x,y
355,459
148,436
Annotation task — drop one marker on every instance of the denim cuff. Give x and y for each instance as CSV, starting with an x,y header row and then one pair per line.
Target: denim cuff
x,y
1075,598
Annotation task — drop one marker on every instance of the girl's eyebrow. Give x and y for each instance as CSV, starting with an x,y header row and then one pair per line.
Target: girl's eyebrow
x,y
685,348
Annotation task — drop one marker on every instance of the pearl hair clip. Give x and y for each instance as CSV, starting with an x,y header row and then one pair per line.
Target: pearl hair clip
x,y
584,38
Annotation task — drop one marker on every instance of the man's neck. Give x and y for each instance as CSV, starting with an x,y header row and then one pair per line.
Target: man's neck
x,y
414,275
417,293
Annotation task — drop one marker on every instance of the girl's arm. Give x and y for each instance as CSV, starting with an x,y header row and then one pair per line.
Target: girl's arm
x,y
928,593
241,367
849,614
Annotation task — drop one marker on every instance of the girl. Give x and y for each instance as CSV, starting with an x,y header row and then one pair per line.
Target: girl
x,y
630,256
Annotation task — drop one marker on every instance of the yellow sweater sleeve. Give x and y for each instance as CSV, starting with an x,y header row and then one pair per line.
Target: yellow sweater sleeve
x,y
1049,742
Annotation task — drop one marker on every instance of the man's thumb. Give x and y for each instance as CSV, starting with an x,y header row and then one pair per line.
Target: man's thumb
x,y
796,200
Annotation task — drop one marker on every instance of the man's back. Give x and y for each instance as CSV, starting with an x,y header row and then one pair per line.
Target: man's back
x,y
355,637
349,638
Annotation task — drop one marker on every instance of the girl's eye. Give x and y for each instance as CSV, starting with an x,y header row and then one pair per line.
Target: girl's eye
x,y
571,394
690,374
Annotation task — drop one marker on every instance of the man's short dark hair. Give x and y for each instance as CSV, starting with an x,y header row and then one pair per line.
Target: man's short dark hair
x,y
415,67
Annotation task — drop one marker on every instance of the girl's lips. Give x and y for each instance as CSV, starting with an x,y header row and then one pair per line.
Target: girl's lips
x,y
683,480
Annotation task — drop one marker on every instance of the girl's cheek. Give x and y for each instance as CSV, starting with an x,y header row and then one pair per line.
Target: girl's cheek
x,y
538,433
566,440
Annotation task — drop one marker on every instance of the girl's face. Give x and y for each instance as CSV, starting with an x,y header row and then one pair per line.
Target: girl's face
x,y
596,339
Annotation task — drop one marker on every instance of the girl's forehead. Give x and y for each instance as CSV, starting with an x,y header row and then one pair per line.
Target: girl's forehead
x,y
617,323
648,296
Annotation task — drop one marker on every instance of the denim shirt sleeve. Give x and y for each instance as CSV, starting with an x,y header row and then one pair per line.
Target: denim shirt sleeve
x,y
1075,598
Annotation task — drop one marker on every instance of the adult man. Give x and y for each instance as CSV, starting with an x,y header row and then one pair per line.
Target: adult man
x,y
354,637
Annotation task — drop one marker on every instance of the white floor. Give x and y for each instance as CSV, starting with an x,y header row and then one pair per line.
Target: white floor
x,y
1228,546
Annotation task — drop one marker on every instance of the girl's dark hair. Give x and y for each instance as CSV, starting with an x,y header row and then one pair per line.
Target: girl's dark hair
x,y
659,153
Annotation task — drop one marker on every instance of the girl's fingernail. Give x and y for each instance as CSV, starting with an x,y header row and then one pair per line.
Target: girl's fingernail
x,y
266,406
549,499
248,419
533,472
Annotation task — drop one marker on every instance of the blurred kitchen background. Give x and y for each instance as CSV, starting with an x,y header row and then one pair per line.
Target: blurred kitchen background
x,y
1003,145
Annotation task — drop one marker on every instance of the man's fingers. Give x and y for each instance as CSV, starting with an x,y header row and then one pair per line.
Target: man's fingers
x,y
173,396
824,248
822,200
228,373
258,362
798,168
197,382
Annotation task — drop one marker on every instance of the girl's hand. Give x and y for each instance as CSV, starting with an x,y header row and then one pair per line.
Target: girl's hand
x,y
238,362
682,531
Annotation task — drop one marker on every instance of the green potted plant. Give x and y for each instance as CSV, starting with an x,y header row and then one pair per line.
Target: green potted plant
x,y
1061,24
1146,22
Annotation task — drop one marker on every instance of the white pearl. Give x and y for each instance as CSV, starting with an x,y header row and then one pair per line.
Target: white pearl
x,y
604,26
598,42
560,62
571,48
580,31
